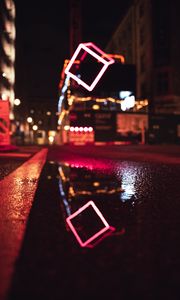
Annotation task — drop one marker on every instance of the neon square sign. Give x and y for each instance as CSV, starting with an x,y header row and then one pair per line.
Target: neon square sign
x,y
104,224
101,57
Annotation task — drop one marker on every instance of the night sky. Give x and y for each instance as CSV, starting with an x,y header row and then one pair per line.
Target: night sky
x,y
42,41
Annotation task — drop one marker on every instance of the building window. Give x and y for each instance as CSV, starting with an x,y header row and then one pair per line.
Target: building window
x,y
162,83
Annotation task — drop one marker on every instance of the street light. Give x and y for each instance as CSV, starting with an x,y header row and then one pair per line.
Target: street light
x,y
18,121
29,120
17,102
30,134
35,127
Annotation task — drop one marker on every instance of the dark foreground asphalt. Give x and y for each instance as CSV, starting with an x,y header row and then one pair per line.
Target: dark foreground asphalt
x,y
140,260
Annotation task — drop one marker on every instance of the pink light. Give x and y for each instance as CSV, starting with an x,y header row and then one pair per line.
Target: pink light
x,y
106,234
96,235
90,164
106,61
81,129
90,129
76,129
85,129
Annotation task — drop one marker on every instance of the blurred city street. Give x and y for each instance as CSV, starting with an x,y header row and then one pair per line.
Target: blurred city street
x,y
89,150
135,187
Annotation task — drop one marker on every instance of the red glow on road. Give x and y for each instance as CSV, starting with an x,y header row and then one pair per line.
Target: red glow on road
x,y
90,164
17,194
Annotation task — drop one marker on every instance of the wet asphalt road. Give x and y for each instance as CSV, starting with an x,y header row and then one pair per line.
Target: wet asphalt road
x,y
139,260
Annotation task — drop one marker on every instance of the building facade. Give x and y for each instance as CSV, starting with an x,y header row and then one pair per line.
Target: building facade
x,y
148,36
7,52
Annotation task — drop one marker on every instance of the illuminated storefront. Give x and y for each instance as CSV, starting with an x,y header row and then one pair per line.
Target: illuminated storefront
x,y
98,115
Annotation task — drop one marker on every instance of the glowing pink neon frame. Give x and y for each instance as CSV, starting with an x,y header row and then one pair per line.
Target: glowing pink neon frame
x,y
92,238
106,60
102,237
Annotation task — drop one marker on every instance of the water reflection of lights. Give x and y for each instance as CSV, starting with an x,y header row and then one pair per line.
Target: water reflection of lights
x,y
99,231
100,191
128,175
90,164
61,173
126,178
66,203
87,186
81,183
62,192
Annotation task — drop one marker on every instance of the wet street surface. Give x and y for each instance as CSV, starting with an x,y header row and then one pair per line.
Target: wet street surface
x,y
140,259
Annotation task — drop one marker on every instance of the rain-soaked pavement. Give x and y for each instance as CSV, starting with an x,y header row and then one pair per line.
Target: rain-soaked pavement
x,y
140,259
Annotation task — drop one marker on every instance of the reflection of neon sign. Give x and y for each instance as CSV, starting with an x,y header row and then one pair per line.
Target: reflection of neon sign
x,y
129,175
80,54
98,234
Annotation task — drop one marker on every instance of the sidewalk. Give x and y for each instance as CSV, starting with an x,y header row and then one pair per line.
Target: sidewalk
x,y
17,194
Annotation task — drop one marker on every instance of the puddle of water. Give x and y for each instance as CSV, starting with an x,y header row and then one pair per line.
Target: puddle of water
x,y
111,192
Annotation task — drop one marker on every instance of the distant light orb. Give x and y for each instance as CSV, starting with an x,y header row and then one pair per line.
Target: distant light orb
x,y
35,127
51,139
4,96
17,102
66,127
90,129
86,129
95,107
76,129
29,120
